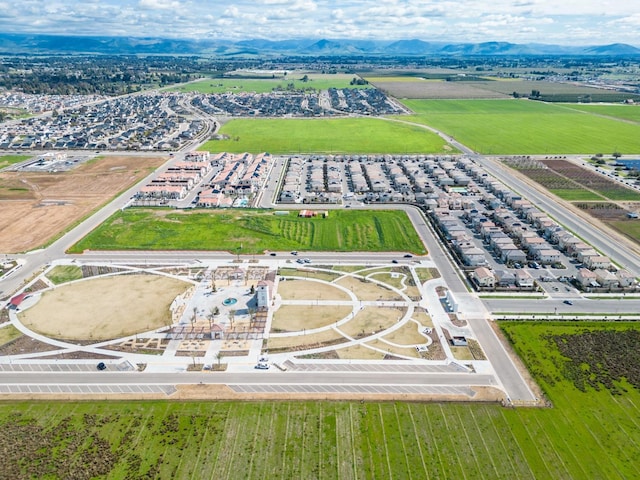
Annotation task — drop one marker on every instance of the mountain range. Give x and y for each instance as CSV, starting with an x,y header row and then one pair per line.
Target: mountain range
x,y
67,44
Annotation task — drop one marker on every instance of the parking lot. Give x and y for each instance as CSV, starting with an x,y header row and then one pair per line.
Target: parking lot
x,y
86,389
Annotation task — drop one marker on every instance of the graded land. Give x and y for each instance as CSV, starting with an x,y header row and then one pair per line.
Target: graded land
x,y
36,207
329,136
522,127
589,433
104,308
253,231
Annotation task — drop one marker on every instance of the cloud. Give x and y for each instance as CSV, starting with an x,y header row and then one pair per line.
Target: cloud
x,y
160,4
548,21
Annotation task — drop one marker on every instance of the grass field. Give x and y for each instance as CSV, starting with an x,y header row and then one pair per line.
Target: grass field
x,y
625,112
6,160
341,135
253,231
64,273
587,435
525,127
266,85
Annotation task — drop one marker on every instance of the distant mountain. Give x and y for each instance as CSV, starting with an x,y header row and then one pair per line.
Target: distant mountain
x,y
67,44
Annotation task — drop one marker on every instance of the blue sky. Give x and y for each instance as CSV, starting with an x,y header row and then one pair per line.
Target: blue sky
x,y
567,22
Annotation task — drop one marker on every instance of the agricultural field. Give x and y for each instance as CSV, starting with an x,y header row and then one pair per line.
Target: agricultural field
x,y
624,112
554,91
592,431
571,182
268,84
342,135
412,87
524,127
253,231
37,206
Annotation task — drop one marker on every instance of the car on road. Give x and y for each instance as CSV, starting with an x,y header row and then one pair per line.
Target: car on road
x,y
273,254
567,302
306,260
299,260
408,255
295,252
262,366
394,261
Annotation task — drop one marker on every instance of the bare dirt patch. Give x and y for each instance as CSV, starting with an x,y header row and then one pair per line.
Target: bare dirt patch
x,y
366,290
358,352
371,320
37,206
293,318
305,342
407,334
104,308
309,290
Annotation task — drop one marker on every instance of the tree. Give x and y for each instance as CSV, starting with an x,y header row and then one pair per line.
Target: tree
x,y
252,290
218,357
232,316
616,155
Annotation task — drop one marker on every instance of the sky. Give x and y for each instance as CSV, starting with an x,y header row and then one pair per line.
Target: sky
x,y
564,22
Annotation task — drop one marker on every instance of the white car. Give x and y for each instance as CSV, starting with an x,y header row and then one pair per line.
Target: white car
x,y
262,366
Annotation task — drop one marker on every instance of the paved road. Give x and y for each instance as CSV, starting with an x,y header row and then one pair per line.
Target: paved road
x,y
580,306
253,378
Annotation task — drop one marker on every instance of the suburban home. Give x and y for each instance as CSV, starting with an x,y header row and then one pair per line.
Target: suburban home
x,y
505,278
524,279
597,262
483,277
586,278
606,278
625,279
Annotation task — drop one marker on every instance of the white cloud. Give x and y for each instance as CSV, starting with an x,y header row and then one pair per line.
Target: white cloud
x,y
547,21
160,4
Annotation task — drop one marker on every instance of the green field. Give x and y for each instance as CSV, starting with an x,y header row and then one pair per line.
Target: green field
x,y
6,160
64,273
342,135
525,127
587,434
253,231
625,112
267,84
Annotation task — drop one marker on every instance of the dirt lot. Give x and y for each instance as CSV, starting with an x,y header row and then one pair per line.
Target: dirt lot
x,y
104,308
37,206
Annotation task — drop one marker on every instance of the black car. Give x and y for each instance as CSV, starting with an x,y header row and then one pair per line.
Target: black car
x,y
408,255
101,366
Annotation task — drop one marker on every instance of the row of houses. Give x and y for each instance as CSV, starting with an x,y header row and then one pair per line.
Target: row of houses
x,y
239,176
179,179
485,278
139,122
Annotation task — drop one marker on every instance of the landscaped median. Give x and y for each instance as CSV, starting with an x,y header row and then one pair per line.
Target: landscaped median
x,y
253,231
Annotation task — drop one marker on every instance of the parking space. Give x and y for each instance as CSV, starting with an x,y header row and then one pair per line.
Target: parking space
x,y
355,389
65,367
86,389
370,368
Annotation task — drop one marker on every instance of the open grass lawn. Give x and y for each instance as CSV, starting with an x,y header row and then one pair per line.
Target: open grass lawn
x,y
253,231
587,435
6,160
64,273
267,84
631,228
340,135
525,127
